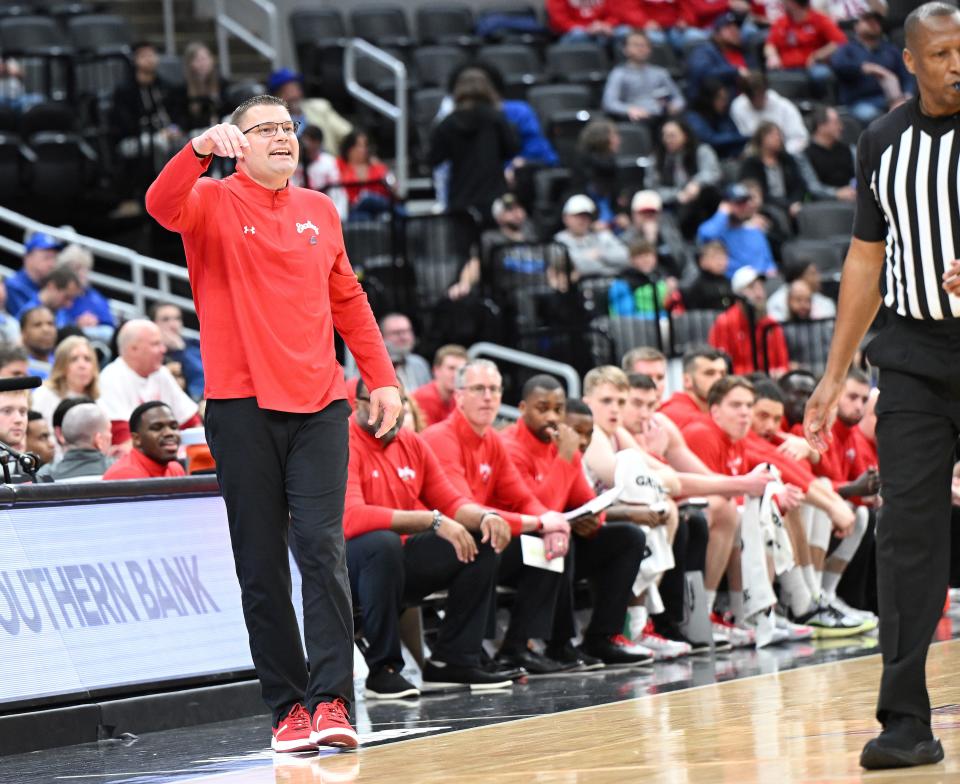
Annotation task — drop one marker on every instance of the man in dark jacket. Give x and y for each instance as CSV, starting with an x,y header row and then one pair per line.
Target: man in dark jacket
x,y
722,58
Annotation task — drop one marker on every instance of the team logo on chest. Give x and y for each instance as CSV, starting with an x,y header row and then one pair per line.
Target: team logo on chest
x,y
485,471
406,473
249,229
302,227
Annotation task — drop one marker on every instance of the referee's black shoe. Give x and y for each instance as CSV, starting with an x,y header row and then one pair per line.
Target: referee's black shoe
x,y
905,742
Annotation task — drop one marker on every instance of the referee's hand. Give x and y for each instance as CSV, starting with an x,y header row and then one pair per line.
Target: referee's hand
x,y
385,405
820,413
951,278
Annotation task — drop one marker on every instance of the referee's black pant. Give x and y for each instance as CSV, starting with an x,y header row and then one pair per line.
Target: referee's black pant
x,y
918,421
281,472
385,574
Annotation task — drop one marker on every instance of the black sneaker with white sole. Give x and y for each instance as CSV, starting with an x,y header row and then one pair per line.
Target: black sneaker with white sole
x,y
387,684
440,676
577,659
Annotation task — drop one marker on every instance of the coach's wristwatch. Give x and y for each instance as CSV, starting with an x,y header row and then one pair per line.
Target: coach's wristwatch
x,y
437,519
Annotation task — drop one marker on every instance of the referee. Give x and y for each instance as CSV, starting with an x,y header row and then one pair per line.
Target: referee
x,y
906,238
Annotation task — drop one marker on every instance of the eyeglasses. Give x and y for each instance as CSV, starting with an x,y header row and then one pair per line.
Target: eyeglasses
x,y
268,129
479,389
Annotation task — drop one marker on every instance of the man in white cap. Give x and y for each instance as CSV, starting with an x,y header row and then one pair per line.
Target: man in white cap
x,y
753,340
650,223
592,252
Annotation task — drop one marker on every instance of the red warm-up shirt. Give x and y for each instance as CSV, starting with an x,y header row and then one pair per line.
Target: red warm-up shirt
x,y
565,15
558,484
705,12
717,450
434,407
402,475
796,41
731,333
136,465
666,13
271,281
759,450
846,458
682,409
480,469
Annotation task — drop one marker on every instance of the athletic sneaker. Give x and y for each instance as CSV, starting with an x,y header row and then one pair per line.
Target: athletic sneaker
x,y
617,649
663,649
440,676
828,621
795,631
667,628
388,684
575,658
292,733
853,612
737,636
330,726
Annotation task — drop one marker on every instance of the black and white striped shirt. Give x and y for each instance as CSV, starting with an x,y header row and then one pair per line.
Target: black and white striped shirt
x,y
907,196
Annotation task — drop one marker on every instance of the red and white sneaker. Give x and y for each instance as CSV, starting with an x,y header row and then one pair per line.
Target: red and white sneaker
x,y
738,636
293,732
663,649
331,727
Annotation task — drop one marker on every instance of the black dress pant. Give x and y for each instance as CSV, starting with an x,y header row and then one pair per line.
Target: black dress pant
x,y
386,574
918,421
531,616
286,473
610,561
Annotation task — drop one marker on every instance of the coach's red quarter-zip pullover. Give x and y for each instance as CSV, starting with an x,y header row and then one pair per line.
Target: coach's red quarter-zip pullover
x,y
268,269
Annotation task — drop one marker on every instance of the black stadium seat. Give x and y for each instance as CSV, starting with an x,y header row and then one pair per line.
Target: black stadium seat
x,y
48,116
94,31
519,64
794,85
584,63
23,34
635,140
824,219
435,64
13,159
63,167
550,99
383,25
446,24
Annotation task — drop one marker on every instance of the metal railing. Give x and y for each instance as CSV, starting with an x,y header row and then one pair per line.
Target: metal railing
x,y
139,289
493,351
227,25
357,47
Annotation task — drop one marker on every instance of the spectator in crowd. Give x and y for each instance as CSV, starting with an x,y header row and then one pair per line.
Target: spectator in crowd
x,y
575,20
58,291
686,174
413,418
710,290
156,440
827,165
398,551
592,251
666,21
399,338
745,332
366,179
870,72
759,104
637,90
478,142
799,301
169,318
821,307
649,222
474,458
320,170
176,370
142,125
512,225
735,224
594,170
288,86
13,361
200,101
14,406
768,163
803,39
722,58
138,375
86,441
57,419
75,373
709,119
40,437
547,453
436,399
850,10
39,260
642,290
38,332
9,326
90,310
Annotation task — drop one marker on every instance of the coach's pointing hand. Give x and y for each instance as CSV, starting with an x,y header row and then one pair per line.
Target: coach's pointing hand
x,y
385,405
225,139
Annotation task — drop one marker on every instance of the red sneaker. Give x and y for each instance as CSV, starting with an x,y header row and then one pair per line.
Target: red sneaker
x,y
293,732
331,727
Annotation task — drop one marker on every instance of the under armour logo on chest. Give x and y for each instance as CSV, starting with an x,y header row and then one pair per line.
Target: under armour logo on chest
x,y
249,229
